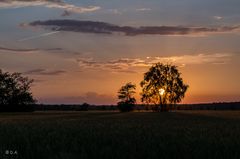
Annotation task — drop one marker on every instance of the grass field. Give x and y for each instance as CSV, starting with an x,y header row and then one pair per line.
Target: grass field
x,y
103,135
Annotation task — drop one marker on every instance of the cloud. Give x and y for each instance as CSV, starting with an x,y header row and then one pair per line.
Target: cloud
x,y
39,36
44,72
119,65
107,28
115,11
47,3
143,9
17,50
66,13
195,59
28,50
218,17
131,65
59,54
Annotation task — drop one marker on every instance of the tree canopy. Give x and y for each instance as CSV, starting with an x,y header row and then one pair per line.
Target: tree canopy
x,y
163,85
125,95
15,89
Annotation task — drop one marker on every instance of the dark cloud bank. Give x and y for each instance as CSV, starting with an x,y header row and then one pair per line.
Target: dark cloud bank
x,y
107,28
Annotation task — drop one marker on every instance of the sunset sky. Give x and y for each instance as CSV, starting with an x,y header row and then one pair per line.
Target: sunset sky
x,y
85,50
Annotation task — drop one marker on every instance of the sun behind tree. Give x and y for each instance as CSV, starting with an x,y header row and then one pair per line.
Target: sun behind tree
x,y
163,86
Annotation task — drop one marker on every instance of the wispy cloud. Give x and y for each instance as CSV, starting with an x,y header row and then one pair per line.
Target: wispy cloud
x,y
38,36
28,50
218,17
195,59
44,72
130,65
120,65
47,3
66,13
17,50
143,9
115,11
107,28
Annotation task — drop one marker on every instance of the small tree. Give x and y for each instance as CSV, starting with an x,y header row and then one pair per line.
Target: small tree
x,y
125,95
162,86
15,89
83,107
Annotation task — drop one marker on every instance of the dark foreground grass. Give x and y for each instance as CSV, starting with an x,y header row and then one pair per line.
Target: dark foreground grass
x,y
103,135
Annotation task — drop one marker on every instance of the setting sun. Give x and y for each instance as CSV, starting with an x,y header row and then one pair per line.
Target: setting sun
x,y
161,91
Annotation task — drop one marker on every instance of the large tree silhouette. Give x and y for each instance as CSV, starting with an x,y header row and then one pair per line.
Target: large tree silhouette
x,y
15,89
162,86
125,95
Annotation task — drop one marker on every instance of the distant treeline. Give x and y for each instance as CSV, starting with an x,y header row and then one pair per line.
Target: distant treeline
x,y
86,107
75,107
209,106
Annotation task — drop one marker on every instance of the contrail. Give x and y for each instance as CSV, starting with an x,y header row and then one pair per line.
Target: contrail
x,y
38,36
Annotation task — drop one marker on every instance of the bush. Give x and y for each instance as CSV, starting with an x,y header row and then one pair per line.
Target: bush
x,y
125,107
83,107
